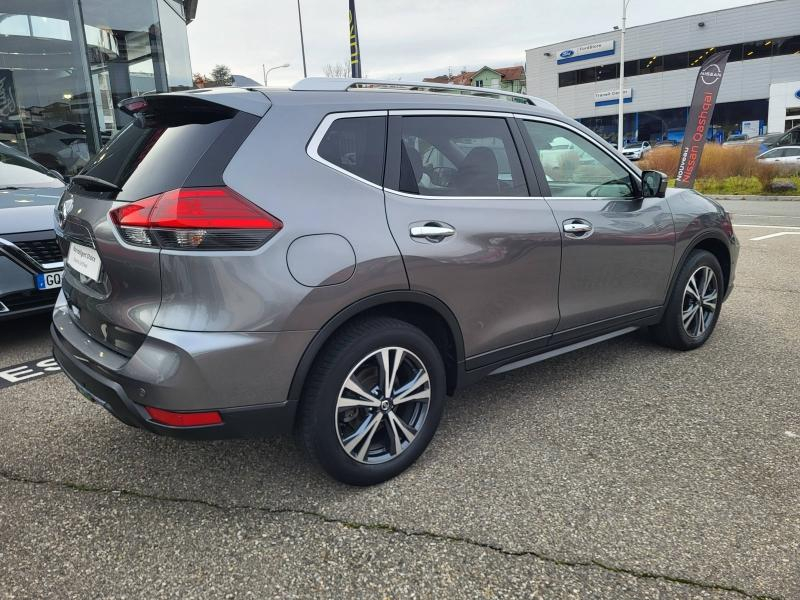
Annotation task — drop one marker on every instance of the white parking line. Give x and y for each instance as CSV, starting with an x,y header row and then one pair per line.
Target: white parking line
x,y
767,226
773,235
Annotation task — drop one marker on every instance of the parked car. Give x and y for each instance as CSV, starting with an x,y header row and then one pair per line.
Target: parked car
x,y
242,262
787,156
737,139
30,259
666,144
635,150
789,138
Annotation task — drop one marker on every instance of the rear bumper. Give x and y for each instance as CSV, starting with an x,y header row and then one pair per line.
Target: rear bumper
x,y
245,377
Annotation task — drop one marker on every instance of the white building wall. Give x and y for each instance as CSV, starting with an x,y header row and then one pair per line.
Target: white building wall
x,y
743,80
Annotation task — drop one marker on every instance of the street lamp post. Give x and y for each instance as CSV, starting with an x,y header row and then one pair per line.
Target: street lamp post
x,y
620,142
266,71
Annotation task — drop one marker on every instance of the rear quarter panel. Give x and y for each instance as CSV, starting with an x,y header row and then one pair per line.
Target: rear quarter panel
x,y
254,291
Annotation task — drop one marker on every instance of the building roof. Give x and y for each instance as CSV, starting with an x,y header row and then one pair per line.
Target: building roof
x,y
465,77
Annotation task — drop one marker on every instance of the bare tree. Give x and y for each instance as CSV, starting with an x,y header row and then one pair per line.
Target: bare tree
x,y
337,70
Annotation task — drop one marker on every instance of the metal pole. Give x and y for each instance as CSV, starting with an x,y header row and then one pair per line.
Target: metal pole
x,y
268,71
264,71
620,142
302,44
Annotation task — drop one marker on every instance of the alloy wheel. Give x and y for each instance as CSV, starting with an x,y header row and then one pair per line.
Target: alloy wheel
x,y
382,405
700,301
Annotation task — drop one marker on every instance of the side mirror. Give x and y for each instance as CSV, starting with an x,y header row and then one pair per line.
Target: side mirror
x,y
654,184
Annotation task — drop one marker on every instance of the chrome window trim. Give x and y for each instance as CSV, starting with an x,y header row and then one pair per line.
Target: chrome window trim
x,y
580,133
448,112
312,148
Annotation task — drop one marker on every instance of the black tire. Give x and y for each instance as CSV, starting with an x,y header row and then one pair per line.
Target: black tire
x,y
671,331
320,416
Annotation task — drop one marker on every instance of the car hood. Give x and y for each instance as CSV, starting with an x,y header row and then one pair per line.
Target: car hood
x,y
28,209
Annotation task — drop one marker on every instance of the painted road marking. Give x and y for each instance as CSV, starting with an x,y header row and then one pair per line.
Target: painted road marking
x,y
33,369
774,235
767,226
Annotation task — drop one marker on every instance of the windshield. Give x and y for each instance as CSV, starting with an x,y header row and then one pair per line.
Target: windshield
x,y
634,146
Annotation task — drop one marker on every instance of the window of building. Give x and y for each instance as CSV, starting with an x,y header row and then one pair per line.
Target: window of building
x,y
567,78
787,45
356,145
588,75
631,68
459,156
673,62
478,83
605,72
653,64
762,49
575,167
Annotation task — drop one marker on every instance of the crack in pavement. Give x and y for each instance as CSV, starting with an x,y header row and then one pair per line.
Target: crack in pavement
x,y
12,477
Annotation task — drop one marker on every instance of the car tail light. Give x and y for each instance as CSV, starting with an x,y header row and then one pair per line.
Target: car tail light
x,y
195,219
183,419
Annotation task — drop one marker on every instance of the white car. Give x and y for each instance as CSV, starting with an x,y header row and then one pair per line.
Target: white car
x,y
636,150
783,155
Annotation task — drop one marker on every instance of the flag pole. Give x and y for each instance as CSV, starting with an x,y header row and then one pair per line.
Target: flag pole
x,y
302,44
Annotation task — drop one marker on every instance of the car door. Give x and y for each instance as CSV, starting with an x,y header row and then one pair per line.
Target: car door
x,y
469,231
617,247
774,156
791,156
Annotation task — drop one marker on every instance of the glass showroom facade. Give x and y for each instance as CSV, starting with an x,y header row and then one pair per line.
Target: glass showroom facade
x,y
65,64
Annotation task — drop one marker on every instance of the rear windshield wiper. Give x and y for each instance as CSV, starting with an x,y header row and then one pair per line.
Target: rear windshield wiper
x,y
89,182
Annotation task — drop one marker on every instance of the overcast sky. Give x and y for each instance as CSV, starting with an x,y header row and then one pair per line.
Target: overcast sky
x,y
405,39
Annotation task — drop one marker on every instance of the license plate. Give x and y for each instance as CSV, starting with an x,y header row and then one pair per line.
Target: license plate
x,y
84,260
48,281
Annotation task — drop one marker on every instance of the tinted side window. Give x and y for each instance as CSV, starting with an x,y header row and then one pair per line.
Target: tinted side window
x,y
575,167
357,145
459,156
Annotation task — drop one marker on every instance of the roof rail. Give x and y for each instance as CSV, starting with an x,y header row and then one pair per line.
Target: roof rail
x,y
335,84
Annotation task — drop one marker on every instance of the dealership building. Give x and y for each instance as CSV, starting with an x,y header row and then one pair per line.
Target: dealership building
x,y
65,64
760,90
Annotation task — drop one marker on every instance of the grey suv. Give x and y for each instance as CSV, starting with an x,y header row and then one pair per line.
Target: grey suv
x,y
337,257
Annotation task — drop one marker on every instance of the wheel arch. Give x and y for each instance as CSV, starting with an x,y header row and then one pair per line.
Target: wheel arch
x,y
712,242
417,308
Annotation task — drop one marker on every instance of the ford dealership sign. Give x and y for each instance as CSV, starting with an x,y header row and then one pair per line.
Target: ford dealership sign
x,y
586,52
797,94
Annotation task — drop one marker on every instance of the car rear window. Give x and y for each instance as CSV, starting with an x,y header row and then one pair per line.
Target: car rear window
x,y
158,150
357,145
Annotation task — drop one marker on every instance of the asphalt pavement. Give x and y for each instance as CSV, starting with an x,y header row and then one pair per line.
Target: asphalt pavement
x,y
624,470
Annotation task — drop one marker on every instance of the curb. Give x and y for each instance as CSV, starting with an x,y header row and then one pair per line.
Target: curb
x,y
756,198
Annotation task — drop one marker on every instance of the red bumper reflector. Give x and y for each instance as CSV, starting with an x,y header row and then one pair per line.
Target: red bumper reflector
x,y
183,419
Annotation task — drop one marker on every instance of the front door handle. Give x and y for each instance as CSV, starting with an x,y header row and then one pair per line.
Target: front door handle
x,y
577,228
432,232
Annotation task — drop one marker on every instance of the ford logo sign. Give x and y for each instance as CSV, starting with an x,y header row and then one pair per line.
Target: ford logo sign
x,y
566,53
797,94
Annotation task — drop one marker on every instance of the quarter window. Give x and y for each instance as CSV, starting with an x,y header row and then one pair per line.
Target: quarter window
x,y
459,156
357,145
575,167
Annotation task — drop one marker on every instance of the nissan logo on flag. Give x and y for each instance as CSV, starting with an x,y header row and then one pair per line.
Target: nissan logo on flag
x,y
711,75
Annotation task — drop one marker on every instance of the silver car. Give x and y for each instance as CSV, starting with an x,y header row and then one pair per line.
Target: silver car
x,y
338,257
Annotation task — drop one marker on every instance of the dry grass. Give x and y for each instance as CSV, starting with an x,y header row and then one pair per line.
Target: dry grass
x,y
718,162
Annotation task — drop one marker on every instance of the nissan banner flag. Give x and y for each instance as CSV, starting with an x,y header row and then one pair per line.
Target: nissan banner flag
x,y
706,90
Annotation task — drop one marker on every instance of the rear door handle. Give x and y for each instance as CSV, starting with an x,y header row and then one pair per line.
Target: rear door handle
x,y
432,232
577,228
